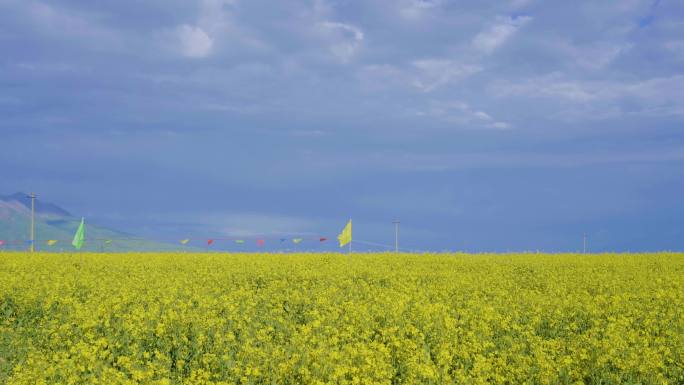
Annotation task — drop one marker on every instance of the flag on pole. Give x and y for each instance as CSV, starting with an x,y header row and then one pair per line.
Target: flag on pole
x,y
346,235
79,237
51,242
240,241
297,241
260,242
210,242
323,239
184,241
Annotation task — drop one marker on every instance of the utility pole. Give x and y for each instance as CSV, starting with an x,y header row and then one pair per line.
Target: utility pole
x,y
396,235
584,239
33,221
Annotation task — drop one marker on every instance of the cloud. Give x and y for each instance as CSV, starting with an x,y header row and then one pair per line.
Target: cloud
x,y
600,99
413,9
194,42
462,114
592,56
434,73
553,85
425,75
425,4
216,224
490,39
345,39
598,56
223,22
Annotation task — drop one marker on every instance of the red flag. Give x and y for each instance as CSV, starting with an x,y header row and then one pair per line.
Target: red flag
x,y
323,239
260,242
2,243
210,242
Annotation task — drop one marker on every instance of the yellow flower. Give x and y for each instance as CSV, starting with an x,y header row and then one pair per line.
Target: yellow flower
x,y
168,318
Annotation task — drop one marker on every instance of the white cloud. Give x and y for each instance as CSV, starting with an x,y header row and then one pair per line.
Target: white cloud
x,y
412,9
425,4
500,125
379,77
593,56
460,113
602,98
230,224
599,56
194,42
490,39
220,20
553,85
433,73
345,39
426,75
216,16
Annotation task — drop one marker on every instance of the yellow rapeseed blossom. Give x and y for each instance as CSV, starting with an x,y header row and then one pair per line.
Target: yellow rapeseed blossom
x,y
166,319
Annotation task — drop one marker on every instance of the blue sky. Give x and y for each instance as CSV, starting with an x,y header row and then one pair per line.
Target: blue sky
x,y
490,125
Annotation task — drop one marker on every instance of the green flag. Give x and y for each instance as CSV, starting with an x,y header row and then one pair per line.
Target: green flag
x,y
79,237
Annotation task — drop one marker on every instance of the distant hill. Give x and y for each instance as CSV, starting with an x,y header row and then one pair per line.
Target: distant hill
x,y
56,223
41,207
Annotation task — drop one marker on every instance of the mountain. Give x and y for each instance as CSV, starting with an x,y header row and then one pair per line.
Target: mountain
x,y
41,207
56,223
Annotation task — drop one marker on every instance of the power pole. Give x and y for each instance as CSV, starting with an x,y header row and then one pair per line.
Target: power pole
x,y
33,221
396,235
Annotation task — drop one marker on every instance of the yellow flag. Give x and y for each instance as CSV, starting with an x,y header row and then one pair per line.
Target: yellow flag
x,y
184,241
51,242
346,235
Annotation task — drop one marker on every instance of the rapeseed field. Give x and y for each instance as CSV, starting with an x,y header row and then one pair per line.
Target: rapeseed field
x,y
182,318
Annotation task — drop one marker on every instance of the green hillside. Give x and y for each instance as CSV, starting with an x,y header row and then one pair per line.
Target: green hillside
x,y
54,223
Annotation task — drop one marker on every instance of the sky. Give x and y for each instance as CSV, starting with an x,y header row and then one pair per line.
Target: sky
x,y
482,126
